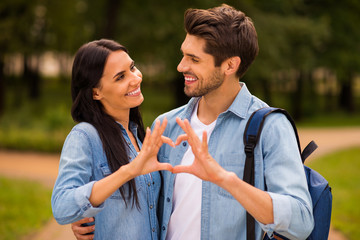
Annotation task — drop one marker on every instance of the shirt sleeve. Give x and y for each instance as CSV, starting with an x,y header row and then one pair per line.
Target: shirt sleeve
x,y
285,180
72,190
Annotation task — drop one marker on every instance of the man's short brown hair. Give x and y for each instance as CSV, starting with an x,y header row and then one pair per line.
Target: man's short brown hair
x,y
227,32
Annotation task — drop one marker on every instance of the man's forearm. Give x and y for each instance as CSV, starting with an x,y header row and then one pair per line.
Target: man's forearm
x,y
257,202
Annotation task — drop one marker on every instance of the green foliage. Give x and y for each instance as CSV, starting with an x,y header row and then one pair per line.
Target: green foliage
x,y
341,170
24,208
43,125
40,125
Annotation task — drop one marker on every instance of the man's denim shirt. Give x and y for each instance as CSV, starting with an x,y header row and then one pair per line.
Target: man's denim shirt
x,y
82,163
277,160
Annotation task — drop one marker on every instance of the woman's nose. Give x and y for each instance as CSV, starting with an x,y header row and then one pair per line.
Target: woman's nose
x,y
137,77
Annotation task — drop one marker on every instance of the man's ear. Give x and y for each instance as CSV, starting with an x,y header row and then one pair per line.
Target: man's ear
x,y
232,65
96,94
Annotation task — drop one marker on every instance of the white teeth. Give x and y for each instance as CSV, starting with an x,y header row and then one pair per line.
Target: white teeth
x,y
190,79
133,92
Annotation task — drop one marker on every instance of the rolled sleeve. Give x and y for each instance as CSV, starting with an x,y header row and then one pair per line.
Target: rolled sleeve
x,y
82,195
282,214
286,181
73,186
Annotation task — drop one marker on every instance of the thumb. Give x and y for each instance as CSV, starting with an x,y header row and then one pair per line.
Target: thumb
x,y
181,169
165,166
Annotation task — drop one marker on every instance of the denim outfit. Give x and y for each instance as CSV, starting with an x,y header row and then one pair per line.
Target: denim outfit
x,y
83,162
276,159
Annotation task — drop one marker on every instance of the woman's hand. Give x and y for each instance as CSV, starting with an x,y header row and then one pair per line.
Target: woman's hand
x,y
147,161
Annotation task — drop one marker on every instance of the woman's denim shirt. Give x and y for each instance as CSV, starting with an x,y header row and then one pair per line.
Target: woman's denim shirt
x,y
82,163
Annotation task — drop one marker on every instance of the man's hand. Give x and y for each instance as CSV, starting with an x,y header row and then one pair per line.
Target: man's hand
x,y
83,232
204,166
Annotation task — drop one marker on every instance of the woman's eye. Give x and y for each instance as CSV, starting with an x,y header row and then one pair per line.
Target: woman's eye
x,y
133,68
120,77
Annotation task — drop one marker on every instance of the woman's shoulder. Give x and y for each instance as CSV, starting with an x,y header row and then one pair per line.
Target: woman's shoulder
x,y
85,128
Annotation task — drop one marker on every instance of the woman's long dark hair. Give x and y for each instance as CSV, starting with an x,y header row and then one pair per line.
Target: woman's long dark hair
x,y
88,67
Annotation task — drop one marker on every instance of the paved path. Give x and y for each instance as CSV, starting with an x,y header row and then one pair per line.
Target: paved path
x,y
44,167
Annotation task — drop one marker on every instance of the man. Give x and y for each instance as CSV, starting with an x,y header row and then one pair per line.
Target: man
x,y
207,198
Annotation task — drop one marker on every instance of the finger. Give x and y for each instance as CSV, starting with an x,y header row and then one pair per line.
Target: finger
x,y
204,140
163,125
82,221
167,141
84,237
156,127
180,138
193,138
147,136
181,123
156,133
83,230
165,166
181,169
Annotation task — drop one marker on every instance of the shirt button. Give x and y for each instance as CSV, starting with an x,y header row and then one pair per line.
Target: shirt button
x,y
149,184
163,228
153,229
184,144
151,206
168,199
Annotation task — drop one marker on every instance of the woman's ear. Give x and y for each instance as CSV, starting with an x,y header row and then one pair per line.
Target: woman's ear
x,y
232,65
96,94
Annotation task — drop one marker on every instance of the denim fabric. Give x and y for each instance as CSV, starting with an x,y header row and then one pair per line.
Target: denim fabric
x,y
82,163
276,159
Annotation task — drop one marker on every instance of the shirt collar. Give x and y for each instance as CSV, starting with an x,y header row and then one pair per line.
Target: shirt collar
x,y
239,106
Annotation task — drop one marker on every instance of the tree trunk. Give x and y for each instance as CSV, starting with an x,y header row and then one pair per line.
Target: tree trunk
x,y
298,96
32,77
2,86
265,83
346,98
112,11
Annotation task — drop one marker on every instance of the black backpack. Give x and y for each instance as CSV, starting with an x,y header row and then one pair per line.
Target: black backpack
x,y
319,188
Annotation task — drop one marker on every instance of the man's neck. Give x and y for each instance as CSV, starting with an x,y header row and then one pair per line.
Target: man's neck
x,y
214,103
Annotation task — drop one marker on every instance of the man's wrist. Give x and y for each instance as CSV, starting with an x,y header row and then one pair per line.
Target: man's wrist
x,y
225,178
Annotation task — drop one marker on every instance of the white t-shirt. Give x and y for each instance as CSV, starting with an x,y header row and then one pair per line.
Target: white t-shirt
x,y
185,219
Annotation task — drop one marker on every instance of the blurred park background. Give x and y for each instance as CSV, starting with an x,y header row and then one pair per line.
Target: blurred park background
x,y
309,63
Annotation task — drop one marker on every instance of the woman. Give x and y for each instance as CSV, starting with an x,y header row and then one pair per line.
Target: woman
x,y
105,170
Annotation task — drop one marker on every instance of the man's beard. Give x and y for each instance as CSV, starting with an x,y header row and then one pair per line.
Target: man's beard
x,y
214,81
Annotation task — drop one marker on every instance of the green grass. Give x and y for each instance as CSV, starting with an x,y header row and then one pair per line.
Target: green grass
x,y
336,119
24,208
341,169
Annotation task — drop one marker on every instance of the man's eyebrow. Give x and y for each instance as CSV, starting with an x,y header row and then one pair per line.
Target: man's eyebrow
x,y
189,55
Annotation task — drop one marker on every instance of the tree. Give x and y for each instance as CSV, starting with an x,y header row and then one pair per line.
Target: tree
x,y
341,51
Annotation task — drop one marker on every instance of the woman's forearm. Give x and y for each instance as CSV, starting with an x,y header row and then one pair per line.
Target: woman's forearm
x,y
105,187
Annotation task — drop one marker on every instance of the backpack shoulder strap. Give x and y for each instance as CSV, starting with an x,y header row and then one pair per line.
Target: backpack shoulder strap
x,y
251,137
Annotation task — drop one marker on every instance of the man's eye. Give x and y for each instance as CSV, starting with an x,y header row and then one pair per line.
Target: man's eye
x,y
194,60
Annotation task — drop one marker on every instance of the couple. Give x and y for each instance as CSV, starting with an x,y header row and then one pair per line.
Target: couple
x,y
109,167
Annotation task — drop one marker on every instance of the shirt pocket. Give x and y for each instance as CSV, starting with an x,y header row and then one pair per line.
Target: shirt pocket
x,y
163,159
232,162
105,170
